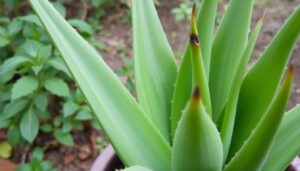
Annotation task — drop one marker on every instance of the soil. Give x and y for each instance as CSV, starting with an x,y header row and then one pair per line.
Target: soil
x,y
116,35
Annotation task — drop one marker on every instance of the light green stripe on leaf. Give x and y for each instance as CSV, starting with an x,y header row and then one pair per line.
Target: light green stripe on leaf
x,y
286,144
228,46
118,112
261,83
155,66
255,150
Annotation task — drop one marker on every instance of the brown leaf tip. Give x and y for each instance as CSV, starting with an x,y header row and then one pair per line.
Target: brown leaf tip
x,y
196,94
291,70
194,40
194,12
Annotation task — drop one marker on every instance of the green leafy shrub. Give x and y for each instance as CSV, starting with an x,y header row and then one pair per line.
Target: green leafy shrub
x,y
32,75
37,162
217,116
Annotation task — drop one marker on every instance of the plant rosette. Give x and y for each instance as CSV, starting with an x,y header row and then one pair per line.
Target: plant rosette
x,y
208,113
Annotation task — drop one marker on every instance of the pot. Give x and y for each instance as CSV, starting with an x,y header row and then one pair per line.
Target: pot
x,y
107,161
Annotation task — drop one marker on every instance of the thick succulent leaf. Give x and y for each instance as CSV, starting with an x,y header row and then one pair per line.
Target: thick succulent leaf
x,y
137,168
228,46
155,66
261,83
197,143
230,109
286,144
255,150
183,86
198,70
118,112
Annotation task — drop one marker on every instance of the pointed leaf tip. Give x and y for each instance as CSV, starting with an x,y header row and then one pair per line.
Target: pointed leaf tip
x,y
291,71
194,12
196,94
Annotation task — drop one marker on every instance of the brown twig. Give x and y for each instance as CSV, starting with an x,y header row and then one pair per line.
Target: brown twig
x,y
84,10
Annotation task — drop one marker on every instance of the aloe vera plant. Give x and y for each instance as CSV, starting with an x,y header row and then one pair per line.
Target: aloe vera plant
x,y
217,116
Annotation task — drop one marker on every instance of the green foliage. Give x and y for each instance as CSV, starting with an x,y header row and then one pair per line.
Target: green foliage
x,y
183,11
37,162
33,76
141,131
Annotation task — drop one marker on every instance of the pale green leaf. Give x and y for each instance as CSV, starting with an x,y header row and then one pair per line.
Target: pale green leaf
x,y
228,46
261,83
197,143
24,86
59,64
120,115
286,144
29,125
255,150
11,64
14,107
64,138
155,66
57,86
70,108
230,109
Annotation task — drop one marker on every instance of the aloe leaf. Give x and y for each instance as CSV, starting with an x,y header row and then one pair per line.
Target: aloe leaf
x,y
136,168
286,144
198,70
230,109
228,46
262,82
197,143
183,85
155,66
118,112
255,150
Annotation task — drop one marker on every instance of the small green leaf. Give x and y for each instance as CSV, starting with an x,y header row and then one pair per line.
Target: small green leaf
x,y
12,63
70,108
46,128
41,101
24,86
59,64
31,18
64,138
29,125
14,107
14,27
13,135
67,127
57,86
84,114
82,26
38,154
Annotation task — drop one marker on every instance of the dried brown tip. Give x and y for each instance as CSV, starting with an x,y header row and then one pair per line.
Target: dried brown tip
x,y
194,12
264,15
291,70
194,40
196,94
